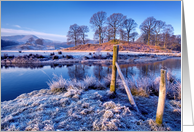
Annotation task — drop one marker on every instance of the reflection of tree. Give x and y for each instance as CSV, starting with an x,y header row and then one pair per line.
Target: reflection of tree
x,y
77,71
172,63
100,71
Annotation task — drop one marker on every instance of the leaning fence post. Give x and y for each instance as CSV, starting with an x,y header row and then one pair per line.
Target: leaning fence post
x,y
114,69
162,97
126,87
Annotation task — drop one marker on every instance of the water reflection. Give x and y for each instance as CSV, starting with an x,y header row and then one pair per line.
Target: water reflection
x,y
80,71
26,78
77,71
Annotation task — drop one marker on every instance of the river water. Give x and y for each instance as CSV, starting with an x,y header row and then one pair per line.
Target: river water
x,y
24,79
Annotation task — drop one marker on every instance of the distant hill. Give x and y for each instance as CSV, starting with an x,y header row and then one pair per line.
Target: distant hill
x,y
18,42
19,38
5,43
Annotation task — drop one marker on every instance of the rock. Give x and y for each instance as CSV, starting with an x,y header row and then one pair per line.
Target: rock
x,y
51,54
39,56
25,57
69,57
108,56
59,52
85,58
55,57
97,57
20,51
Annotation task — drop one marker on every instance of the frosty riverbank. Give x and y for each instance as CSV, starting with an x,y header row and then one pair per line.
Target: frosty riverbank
x,y
59,57
88,105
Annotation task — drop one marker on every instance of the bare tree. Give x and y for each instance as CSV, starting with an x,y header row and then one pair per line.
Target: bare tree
x,y
178,39
158,28
103,34
115,21
134,35
109,33
39,41
148,27
73,35
122,34
98,20
83,31
129,25
168,31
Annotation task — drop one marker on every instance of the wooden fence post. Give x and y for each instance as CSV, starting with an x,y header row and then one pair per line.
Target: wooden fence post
x,y
114,69
162,97
131,100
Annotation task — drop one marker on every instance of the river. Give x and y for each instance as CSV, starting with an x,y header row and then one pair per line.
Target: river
x,y
24,79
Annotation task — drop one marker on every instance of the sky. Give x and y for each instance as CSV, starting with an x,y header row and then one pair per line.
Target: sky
x,y
52,19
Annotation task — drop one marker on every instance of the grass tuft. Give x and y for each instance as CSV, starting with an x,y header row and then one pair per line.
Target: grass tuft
x,y
58,84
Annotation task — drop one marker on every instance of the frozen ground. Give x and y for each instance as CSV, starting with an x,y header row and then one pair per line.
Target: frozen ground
x,y
16,52
48,57
71,105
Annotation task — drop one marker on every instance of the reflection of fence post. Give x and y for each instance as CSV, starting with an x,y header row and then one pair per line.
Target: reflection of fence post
x,y
114,69
162,97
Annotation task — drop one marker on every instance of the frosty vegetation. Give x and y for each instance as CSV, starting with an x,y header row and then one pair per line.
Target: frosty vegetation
x,y
87,105
88,58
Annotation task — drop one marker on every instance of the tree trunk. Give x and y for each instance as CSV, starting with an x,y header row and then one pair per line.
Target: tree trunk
x,y
165,41
83,39
148,38
156,40
128,32
114,34
75,42
99,38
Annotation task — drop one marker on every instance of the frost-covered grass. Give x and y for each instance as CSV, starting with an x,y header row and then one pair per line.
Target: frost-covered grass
x,y
59,84
142,86
85,105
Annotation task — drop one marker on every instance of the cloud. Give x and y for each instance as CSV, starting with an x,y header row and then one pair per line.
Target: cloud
x,y
56,37
18,26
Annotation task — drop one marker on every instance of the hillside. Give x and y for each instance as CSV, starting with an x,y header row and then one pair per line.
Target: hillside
x,y
5,43
18,38
18,42
123,46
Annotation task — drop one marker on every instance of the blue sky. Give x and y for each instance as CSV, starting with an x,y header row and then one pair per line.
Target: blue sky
x,y
52,19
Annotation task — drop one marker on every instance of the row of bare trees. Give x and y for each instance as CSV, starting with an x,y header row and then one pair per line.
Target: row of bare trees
x,y
108,28
157,32
115,24
104,28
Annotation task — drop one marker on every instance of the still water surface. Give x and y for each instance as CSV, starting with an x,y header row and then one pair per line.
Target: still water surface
x,y
19,80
